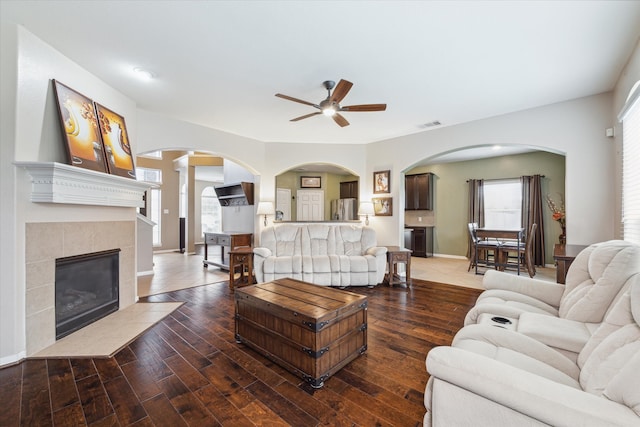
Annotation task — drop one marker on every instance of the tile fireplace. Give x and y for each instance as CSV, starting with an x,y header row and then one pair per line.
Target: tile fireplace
x,y
66,211
47,242
86,289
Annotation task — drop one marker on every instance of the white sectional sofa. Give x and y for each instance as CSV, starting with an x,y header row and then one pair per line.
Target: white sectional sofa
x,y
501,377
561,355
324,254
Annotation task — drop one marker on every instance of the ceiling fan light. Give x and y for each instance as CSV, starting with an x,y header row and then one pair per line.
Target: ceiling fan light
x,y
329,111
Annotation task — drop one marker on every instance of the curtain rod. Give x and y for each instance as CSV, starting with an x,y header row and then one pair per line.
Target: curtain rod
x,y
504,179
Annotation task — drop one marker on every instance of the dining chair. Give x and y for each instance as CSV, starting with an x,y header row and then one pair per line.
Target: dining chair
x,y
523,252
485,249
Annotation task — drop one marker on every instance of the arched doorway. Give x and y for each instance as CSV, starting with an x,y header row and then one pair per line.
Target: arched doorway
x,y
451,170
333,180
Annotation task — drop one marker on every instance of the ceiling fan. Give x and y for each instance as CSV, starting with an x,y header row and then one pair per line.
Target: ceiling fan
x,y
331,105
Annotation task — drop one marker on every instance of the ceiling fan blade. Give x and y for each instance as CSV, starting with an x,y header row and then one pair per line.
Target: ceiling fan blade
x,y
290,98
365,107
341,121
342,89
306,116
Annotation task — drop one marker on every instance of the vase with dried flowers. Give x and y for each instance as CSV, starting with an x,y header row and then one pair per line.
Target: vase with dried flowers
x,y
558,214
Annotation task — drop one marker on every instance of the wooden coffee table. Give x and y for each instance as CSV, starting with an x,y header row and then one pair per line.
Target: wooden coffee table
x,y
310,330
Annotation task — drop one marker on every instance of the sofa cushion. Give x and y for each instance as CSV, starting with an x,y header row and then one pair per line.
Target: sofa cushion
x,y
609,358
596,277
556,332
614,343
283,264
619,316
287,241
519,351
624,387
318,239
353,240
519,302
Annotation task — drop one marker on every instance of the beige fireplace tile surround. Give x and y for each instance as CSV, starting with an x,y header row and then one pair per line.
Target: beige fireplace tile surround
x,y
46,241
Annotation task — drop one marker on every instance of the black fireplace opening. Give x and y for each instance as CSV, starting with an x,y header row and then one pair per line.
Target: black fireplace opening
x,y
86,288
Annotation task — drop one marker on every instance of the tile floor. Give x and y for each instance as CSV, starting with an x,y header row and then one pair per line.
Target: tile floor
x,y
453,271
109,334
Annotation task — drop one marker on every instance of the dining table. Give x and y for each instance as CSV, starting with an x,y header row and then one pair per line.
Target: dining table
x,y
500,236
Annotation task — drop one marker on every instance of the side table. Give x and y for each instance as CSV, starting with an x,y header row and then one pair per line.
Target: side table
x,y
241,259
397,255
564,256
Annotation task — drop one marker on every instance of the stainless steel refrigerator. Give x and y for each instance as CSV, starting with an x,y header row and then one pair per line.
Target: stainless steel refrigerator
x,y
344,209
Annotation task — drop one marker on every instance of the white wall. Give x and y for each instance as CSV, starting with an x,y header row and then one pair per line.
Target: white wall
x,y
574,128
31,132
12,296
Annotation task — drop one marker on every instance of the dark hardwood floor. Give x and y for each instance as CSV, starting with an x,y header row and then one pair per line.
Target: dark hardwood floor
x,y
188,370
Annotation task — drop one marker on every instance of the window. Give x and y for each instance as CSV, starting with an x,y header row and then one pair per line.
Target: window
x,y
155,210
152,154
630,117
149,175
503,204
210,211
154,200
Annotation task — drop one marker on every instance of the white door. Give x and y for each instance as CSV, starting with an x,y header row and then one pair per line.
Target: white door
x,y
310,205
283,203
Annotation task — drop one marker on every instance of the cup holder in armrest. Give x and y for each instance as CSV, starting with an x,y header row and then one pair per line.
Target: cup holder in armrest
x,y
501,320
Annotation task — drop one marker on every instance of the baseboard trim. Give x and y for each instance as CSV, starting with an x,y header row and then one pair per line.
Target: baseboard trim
x,y
145,273
449,256
12,359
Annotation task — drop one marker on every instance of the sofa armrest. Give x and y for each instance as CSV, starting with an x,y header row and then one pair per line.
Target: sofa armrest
x,y
547,292
529,394
262,252
376,251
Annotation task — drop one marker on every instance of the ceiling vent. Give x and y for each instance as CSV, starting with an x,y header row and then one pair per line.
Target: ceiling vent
x,y
431,124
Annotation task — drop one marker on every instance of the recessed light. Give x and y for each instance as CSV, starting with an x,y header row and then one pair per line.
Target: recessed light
x,y
143,74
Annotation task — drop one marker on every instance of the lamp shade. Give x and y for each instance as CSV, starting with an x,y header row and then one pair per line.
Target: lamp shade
x,y
366,208
265,208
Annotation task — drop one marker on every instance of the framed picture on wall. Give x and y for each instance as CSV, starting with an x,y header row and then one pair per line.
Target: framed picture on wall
x,y
310,182
79,123
383,206
116,142
381,182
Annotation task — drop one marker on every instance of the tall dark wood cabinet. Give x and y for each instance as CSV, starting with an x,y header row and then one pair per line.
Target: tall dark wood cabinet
x,y
418,192
349,190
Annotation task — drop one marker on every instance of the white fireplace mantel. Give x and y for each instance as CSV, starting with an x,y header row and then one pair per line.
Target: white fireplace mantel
x,y
53,182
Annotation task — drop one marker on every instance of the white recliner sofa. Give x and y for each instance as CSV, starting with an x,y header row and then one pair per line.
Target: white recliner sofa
x,y
495,376
597,276
324,254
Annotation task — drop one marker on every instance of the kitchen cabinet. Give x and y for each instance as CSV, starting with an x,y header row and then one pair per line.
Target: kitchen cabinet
x,y
240,194
349,190
418,192
419,240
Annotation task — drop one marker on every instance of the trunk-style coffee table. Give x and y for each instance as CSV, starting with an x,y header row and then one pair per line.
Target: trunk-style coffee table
x,y
310,330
